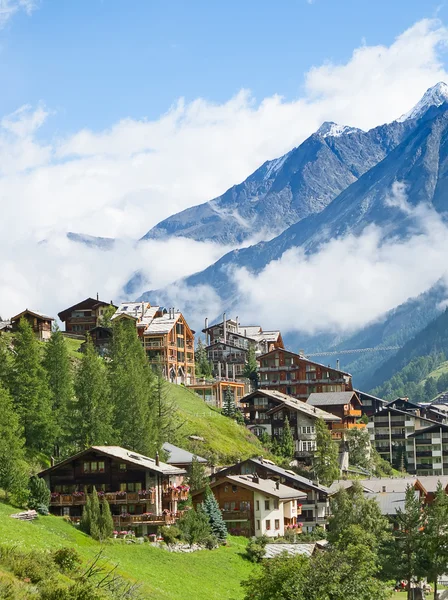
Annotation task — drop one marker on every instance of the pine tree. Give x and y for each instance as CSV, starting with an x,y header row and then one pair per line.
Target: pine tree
x,y
31,392
60,379
326,465
86,518
39,498
195,526
106,522
203,367
251,368
287,440
228,408
197,477
95,515
13,467
211,508
93,415
435,536
133,385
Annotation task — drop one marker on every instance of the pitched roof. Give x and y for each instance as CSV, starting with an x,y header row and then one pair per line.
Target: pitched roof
x,y
430,482
264,486
286,473
163,324
391,484
345,484
304,358
90,302
386,409
128,456
35,313
302,407
389,502
180,456
131,309
435,427
331,398
361,393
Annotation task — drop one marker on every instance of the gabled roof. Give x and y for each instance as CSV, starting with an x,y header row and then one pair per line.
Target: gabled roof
x,y
389,502
127,456
361,393
391,484
179,456
34,313
430,429
387,409
406,401
303,358
345,484
88,303
286,473
134,310
429,483
267,487
331,398
302,407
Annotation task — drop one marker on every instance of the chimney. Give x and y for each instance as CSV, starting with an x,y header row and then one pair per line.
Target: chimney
x,y
157,459
255,478
277,485
97,296
52,461
337,364
224,327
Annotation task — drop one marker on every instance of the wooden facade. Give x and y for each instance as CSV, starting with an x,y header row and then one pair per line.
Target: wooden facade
x,y
296,376
143,493
345,405
40,324
84,316
213,392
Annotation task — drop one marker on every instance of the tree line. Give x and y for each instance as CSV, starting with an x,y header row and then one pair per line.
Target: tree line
x,y
52,405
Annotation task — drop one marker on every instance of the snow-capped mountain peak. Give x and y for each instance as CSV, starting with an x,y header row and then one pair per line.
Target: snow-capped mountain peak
x,y
434,96
330,129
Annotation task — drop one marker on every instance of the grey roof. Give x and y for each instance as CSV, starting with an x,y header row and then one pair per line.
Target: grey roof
x,y
392,484
367,395
304,358
389,502
32,312
162,324
287,474
131,309
5,325
330,398
179,456
265,486
303,407
430,482
345,484
273,550
430,429
128,456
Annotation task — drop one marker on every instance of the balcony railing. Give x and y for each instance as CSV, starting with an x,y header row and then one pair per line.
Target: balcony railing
x,y
352,413
236,515
126,520
78,498
349,426
175,494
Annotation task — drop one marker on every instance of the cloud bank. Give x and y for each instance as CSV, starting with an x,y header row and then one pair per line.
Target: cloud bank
x,y
121,181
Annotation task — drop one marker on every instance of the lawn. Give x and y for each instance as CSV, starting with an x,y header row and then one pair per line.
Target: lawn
x,y
222,436
204,575
73,347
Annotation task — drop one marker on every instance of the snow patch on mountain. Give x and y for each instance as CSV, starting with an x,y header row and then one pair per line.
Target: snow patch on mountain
x,y
330,129
275,165
434,96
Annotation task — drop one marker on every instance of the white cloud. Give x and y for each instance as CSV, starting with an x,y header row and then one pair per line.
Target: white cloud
x,y
8,8
121,181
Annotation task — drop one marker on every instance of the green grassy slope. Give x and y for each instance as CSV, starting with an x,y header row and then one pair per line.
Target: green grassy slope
x,y
223,437
204,575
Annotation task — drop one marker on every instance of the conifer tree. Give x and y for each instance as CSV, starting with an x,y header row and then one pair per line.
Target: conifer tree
x,y
435,537
95,515
39,498
93,415
86,518
203,366
60,379
326,465
211,508
133,391
106,522
287,440
31,392
13,467
197,477
229,408
251,368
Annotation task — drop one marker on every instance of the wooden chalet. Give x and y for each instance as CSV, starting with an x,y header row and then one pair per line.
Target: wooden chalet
x,y
101,338
84,316
143,493
166,336
213,391
297,376
370,404
315,502
253,506
40,323
345,405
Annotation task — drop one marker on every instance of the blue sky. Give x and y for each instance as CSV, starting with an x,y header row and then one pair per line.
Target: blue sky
x,y
93,62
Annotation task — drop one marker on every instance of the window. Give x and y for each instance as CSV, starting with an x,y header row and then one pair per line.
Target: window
x,y
226,505
267,505
131,509
66,511
122,487
234,489
258,504
244,505
131,487
268,525
276,505
277,523
258,524
86,467
123,466
94,467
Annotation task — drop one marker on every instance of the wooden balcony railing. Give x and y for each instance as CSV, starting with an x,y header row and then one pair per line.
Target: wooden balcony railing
x,y
175,494
348,426
126,520
352,413
111,497
236,515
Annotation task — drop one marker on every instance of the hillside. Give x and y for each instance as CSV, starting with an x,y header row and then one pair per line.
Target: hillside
x,y
203,575
224,439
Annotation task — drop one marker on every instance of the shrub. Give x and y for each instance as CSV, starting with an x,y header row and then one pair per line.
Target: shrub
x,y
211,542
67,559
194,526
81,590
35,566
39,497
255,549
171,535
7,591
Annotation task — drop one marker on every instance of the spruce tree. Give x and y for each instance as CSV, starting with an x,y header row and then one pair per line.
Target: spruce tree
x,y
326,464
435,537
95,515
133,385
13,467
251,368
60,378
203,367
197,477
39,498
31,392
86,518
228,408
93,410
106,522
211,508
287,440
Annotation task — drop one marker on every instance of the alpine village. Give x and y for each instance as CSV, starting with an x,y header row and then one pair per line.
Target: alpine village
x,y
127,438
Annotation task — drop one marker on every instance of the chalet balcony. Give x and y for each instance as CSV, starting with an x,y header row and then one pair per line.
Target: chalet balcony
x,y
236,515
348,426
173,494
126,520
352,413
79,498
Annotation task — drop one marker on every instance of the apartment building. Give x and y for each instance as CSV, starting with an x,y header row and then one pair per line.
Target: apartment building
x,y
427,450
